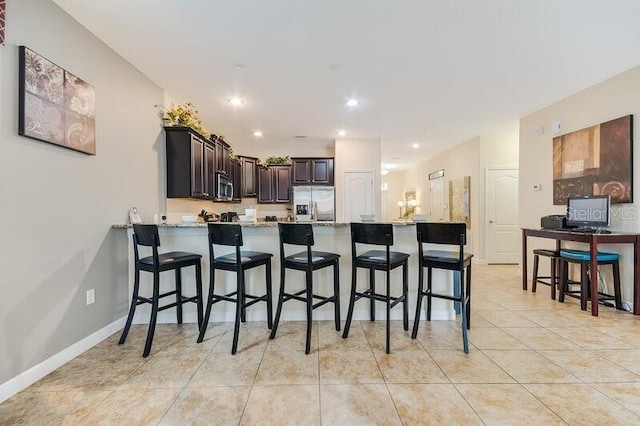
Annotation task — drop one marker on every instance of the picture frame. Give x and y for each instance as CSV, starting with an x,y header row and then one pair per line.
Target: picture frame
x,y
54,105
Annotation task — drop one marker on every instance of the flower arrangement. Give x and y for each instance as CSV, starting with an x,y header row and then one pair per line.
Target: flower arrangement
x,y
276,161
183,115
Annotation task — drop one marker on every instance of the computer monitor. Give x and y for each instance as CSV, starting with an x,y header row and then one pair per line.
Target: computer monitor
x,y
591,211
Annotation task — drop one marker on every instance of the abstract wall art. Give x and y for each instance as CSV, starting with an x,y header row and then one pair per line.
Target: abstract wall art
x,y
2,20
459,200
55,106
597,160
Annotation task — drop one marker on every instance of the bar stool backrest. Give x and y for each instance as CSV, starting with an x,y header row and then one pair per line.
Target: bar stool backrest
x,y
442,233
225,235
380,234
300,234
146,235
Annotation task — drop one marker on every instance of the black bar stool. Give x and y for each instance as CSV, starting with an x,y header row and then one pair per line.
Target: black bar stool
x,y
583,258
147,235
238,262
447,234
377,260
301,234
554,274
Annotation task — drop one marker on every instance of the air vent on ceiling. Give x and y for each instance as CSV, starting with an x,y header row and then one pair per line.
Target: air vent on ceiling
x,y
300,136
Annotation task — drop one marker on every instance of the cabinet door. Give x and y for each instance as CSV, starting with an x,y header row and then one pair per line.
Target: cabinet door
x,y
197,169
282,184
249,179
236,173
301,171
226,161
209,171
265,185
322,171
220,157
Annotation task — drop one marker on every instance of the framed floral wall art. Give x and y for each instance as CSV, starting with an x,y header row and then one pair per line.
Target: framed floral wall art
x,y
2,20
55,106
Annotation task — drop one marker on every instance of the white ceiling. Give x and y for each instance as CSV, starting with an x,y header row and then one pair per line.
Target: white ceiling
x,y
435,72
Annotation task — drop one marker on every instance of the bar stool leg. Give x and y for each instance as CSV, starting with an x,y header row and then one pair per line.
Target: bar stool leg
x,y
468,296
554,278
154,313
388,274
269,294
309,279
564,272
239,309
464,312
352,300
336,294
428,294
205,320
405,296
534,281
372,286
132,309
584,285
416,322
279,307
179,295
199,302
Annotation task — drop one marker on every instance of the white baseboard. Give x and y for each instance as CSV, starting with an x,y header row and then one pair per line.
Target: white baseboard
x,y
35,373
479,261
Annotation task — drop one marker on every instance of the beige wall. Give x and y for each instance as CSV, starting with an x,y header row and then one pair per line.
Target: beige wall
x,y
58,205
607,100
470,158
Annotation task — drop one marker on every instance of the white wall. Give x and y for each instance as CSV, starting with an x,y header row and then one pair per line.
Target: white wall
x,y
605,101
58,205
356,155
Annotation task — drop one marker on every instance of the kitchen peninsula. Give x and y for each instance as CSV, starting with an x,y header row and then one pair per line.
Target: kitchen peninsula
x,y
263,236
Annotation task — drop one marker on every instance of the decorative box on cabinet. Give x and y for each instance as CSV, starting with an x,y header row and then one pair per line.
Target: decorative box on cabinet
x,y
274,184
312,171
189,161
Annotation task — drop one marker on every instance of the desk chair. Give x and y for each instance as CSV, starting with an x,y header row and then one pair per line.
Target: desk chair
x,y
380,234
238,262
301,234
147,236
452,234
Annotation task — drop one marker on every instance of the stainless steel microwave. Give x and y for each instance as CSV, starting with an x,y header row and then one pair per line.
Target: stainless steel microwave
x,y
224,187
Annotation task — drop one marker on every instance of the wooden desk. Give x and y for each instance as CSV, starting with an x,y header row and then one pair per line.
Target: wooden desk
x,y
593,240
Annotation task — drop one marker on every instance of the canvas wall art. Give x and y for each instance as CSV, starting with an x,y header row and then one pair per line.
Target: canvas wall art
x,y
597,160
459,200
2,20
55,106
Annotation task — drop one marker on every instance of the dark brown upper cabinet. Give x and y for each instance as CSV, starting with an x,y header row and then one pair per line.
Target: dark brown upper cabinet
x,y
274,184
187,160
312,171
249,176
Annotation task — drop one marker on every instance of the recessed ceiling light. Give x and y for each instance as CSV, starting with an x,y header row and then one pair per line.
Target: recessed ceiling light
x,y
238,65
352,102
257,134
236,101
384,172
336,66
415,145
342,133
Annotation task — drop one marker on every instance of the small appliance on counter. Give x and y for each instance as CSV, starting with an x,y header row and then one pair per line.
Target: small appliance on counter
x,y
228,217
555,221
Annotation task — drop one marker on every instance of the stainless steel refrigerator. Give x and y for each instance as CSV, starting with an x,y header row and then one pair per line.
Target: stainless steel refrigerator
x,y
319,201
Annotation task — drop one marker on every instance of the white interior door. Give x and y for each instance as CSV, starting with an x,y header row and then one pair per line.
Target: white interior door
x,y
436,200
502,215
358,195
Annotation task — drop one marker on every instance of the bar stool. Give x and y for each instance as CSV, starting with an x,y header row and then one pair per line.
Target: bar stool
x,y
301,234
553,278
238,262
147,236
447,234
583,258
377,260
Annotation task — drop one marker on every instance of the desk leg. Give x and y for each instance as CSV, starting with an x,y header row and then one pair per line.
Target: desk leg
x,y
524,259
636,276
594,276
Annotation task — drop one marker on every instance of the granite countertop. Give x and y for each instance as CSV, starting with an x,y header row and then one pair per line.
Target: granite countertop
x,y
257,224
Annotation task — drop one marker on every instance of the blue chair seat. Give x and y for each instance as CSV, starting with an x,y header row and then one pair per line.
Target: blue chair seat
x,y
585,256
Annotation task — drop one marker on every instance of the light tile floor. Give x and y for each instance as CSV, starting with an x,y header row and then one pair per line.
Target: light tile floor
x,y
532,361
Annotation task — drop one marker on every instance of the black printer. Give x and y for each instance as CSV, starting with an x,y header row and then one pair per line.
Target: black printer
x,y
555,221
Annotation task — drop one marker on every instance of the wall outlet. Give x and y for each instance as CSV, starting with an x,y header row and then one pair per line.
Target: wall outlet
x,y
536,187
91,296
